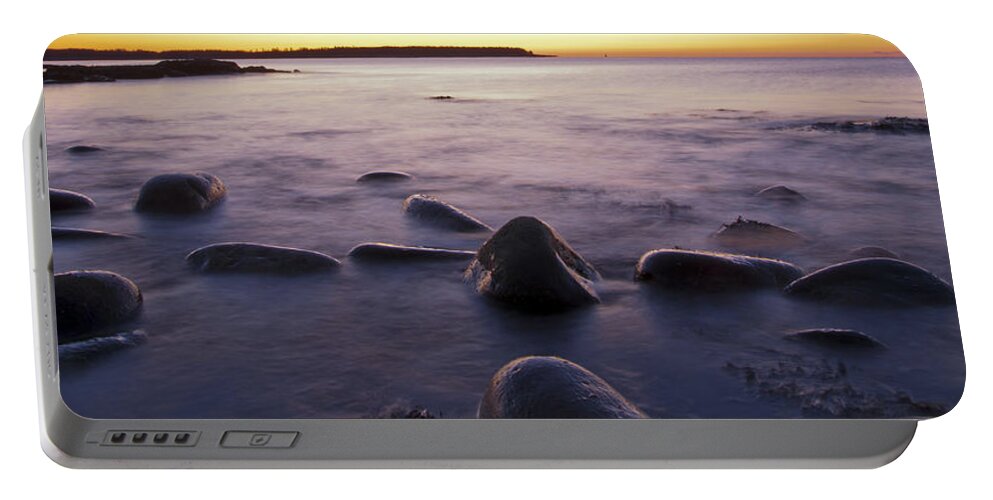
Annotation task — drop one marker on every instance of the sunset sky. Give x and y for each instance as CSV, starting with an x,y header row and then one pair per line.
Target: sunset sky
x,y
564,45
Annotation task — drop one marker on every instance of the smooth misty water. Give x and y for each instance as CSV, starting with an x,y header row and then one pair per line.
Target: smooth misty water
x,y
597,148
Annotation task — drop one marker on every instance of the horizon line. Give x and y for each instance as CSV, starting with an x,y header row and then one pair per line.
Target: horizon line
x,y
559,45
641,54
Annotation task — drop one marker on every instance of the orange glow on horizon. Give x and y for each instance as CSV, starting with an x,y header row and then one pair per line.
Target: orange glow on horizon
x,y
564,45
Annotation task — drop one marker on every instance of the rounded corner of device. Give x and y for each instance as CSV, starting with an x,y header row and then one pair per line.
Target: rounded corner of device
x,y
904,434
57,454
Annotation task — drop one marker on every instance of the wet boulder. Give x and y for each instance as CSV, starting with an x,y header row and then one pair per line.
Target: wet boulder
x,y
754,235
835,337
61,200
550,387
781,193
399,253
438,213
528,265
890,124
385,176
180,193
89,302
72,233
83,149
257,258
713,271
875,281
872,251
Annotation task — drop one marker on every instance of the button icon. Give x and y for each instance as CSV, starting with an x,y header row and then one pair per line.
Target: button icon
x,y
260,439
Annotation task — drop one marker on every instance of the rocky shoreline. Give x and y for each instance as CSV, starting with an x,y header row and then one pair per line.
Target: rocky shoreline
x,y
178,68
525,265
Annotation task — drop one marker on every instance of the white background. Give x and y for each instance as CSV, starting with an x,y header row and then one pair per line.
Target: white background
x,y
947,41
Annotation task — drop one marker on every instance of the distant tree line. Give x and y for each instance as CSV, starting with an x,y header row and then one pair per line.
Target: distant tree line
x,y
318,53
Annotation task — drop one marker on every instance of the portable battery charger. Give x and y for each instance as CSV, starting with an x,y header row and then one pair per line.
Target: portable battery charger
x,y
486,251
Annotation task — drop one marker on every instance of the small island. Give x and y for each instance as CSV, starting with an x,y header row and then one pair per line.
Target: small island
x,y
305,53
171,69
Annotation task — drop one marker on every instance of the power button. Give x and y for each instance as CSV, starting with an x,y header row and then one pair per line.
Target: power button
x,y
258,439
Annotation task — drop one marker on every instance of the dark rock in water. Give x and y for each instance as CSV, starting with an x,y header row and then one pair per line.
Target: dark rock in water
x,y
87,302
71,233
528,265
834,337
417,412
754,235
385,176
875,281
712,271
172,68
871,251
441,97
673,209
780,193
391,252
441,214
820,388
85,349
253,257
83,149
550,387
60,200
892,124
180,193
403,411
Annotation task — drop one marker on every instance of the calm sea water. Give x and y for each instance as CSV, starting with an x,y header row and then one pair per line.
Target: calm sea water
x,y
597,148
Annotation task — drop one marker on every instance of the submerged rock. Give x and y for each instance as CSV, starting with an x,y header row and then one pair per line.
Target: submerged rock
x,y
528,265
441,214
83,149
391,252
85,349
893,124
780,193
754,235
821,387
253,257
87,302
673,209
713,271
180,193
404,410
834,337
385,176
61,200
871,251
71,233
550,387
875,281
